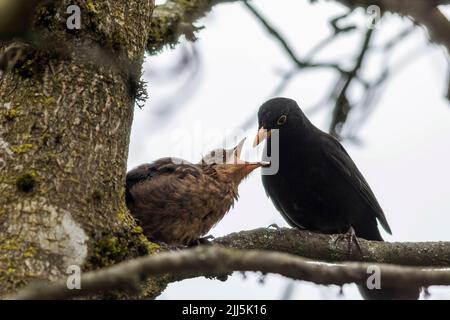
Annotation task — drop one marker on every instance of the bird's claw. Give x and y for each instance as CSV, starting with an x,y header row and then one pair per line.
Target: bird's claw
x,y
350,237
273,226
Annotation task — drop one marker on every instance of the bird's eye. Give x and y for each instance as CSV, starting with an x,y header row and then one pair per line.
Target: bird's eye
x,y
281,120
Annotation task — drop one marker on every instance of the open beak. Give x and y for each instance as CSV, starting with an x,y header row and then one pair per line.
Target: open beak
x,y
261,136
238,148
233,155
236,158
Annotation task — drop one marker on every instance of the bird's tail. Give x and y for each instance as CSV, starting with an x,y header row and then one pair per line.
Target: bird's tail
x,y
387,293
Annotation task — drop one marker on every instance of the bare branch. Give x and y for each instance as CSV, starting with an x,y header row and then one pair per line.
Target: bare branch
x,y
423,12
343,105
286,47
213,261
276,34
176,17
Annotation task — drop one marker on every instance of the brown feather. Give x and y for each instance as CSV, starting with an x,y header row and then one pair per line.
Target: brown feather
x,y
177,203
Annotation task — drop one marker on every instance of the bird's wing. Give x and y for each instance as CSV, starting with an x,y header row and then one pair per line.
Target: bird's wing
x,y
340,160
159,175
277,204
149,170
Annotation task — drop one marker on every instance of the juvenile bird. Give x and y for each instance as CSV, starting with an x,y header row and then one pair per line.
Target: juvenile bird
x,y
177,202
318,187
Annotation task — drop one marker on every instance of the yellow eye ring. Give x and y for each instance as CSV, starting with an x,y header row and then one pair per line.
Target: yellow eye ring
x,y
281,120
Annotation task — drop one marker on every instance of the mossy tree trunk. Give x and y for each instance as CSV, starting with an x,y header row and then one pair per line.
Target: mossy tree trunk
x,y
66,108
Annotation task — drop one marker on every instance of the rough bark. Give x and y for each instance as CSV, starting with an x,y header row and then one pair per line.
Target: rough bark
x,y
324,247
65,116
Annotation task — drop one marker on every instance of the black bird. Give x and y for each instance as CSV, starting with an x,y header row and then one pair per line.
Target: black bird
x,y
177,202
318,187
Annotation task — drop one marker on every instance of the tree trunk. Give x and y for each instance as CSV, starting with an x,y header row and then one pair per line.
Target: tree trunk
x,y
66,108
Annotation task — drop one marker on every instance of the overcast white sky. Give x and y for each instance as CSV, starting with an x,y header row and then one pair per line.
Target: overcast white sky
x,y
405,154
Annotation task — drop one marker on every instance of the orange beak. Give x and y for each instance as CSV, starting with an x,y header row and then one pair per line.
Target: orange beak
x,y
262,135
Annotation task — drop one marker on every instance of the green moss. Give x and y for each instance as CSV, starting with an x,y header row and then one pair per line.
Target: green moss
x,y
11,114
17,247
122,215
48,101
23,148
91,6
29,252
138,229
9,246
27,181
111,248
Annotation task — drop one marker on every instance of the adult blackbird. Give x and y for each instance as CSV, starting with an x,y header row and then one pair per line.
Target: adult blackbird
x,y
177,202
318,187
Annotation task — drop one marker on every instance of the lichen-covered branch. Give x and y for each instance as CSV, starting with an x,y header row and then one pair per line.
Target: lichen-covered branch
x,y
270,251
175,18
217,261
322,247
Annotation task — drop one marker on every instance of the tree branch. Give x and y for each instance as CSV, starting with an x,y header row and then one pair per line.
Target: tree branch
x,y
219,261
423,12
321,247
299,63
176,17
343,105
214,261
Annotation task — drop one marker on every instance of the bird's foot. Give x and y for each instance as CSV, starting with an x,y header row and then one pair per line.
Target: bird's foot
x,y
201,241
350,237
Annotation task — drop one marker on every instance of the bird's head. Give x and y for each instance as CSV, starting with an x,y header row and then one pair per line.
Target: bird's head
x,y
229,165
281,114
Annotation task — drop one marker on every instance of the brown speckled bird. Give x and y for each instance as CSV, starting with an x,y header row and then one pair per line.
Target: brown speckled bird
x,y
177,202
